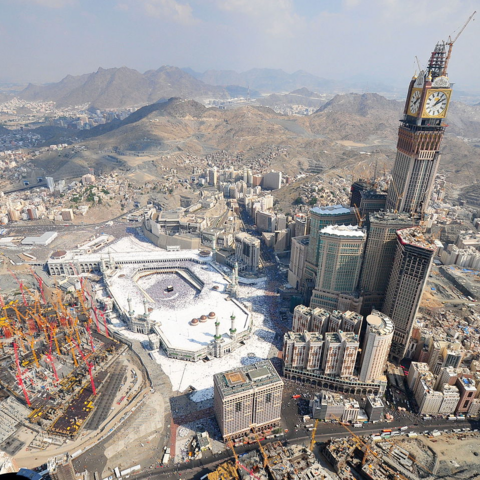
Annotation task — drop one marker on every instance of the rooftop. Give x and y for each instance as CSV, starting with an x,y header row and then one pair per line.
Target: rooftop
x,y
351,231
391,218
247,377
414,236
332,210
380,323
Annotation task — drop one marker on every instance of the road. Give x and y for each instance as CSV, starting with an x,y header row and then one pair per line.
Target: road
x,y
61,227
325,432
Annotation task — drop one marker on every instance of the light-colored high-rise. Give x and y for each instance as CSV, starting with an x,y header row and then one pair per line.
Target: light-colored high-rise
x,y
339,262
247,397
411,267
376,346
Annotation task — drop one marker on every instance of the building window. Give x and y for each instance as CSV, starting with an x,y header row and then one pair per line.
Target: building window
x,y
238,407
268,398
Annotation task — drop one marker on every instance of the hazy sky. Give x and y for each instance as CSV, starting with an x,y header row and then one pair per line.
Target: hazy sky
x,y
44,40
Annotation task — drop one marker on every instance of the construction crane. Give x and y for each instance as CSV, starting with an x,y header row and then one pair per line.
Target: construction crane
x,y
360,441
50,359
89,366
231,445
314,432
264,455
19,374
357,215
450,43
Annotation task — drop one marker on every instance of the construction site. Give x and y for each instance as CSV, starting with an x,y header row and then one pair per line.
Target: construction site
x,y
273,461
58,370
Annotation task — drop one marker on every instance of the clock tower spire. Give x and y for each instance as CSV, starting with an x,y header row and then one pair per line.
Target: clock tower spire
x,y
420,136
421,132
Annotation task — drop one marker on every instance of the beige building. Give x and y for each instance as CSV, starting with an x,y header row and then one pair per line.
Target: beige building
x,y
414,373
451,397
247,397
303,350
310,319
247,251
411,267
376,347
429,400
340,353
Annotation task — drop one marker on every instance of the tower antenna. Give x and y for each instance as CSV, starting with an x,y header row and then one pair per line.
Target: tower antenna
x,y
450,42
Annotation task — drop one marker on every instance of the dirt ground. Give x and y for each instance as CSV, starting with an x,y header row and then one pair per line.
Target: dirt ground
x,y
459,455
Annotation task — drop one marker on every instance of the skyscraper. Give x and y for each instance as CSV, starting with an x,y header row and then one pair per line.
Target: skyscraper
x,y
411,266
340,253
376,346
379,254
420,135
321,217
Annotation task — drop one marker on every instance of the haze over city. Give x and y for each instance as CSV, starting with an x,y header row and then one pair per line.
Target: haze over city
x,y
239,240
372,40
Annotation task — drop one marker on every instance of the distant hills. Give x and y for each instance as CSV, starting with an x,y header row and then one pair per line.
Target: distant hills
x,y
266,80
126,87
347,135
122,87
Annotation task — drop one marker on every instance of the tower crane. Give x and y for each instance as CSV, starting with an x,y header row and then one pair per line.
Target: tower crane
x,y
50,359
264,455
89,366
360,441
19,374
450,43
314,431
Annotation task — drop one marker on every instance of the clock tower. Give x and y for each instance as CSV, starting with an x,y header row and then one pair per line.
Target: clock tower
x,y
420,135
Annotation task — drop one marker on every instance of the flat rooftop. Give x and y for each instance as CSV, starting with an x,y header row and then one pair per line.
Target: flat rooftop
x,y
246,378
332,210
391,218
414,236
349,231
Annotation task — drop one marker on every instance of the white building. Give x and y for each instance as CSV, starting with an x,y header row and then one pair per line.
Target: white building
x,y
376,347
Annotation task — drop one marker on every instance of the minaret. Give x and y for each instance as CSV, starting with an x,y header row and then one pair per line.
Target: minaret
x,y
233,330
145,307
217,342
217,336
130,311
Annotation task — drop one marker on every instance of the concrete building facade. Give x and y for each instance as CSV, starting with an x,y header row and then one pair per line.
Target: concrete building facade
x,y
411,267
247,397
376,346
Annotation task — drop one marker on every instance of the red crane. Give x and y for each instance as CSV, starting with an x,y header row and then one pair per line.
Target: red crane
x,y
90,337
40,285
19,374
88,364
20,285
50,359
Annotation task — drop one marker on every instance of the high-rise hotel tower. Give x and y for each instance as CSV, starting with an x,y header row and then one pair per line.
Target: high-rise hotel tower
x,y
420,135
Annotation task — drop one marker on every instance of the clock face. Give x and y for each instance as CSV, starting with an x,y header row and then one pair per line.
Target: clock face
x,y
436,103
414,102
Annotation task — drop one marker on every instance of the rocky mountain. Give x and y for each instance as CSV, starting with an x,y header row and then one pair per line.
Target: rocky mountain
x,y
122,87
364,105
267,80
301,96
346,136
464,120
